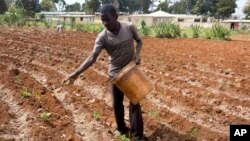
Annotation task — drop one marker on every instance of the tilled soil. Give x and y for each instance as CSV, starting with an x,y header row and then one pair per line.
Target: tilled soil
x,y
202,87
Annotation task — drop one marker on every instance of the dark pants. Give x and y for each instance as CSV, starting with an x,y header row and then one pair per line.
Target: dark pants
x,y
135,114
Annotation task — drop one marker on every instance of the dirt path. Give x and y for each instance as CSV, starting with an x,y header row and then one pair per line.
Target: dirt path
x,y
202,86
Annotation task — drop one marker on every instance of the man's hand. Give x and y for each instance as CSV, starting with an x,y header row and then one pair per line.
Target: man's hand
x,y
137,59
70,79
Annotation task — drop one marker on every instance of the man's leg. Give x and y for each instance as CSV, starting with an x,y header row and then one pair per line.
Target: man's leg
x,y
136,121
117,97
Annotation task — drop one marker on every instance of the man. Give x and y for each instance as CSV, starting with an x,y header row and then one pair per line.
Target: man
x,y
117,38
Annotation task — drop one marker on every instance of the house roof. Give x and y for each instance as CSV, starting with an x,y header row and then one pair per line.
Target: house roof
x,y
160,14
236,21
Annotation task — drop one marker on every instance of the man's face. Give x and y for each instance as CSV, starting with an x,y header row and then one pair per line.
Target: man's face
x,y
109,21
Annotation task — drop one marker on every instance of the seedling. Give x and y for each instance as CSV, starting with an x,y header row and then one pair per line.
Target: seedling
x,y
96,116
194,133
124,138
25,93
45,116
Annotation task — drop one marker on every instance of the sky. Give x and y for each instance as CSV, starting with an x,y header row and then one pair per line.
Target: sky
x,y
238,10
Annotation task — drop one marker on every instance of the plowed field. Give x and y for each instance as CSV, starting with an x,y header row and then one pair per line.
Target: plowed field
x,y
202,86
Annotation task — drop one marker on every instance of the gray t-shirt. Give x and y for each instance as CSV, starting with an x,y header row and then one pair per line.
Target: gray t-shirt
x,y
120,47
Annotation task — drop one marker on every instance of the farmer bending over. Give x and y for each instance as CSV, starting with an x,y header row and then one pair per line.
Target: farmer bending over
x,y
117,39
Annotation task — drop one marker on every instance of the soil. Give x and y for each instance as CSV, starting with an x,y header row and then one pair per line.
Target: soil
x,y
201,87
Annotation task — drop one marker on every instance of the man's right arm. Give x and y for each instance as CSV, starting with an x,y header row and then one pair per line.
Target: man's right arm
x,y
84,66
87,63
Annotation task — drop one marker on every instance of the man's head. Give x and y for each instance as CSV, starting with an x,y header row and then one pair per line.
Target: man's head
x,y
109,17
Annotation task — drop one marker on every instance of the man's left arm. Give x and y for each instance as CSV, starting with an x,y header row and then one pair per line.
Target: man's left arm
x,y
137,52
138,40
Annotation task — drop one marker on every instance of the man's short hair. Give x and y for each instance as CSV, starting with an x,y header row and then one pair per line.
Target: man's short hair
x,y
108,9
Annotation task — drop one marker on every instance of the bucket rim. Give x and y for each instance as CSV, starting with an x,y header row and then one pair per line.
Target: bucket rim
x,y
120,74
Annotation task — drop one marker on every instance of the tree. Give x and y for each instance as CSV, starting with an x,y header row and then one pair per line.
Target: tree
x,y
224,8
178,7
91,6
144,4
199,8
3,7
246,9
189,5
28,5
163,6
37,7
47,5
73,7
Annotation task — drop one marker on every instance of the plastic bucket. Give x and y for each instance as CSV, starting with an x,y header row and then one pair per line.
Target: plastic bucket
x,y
133,83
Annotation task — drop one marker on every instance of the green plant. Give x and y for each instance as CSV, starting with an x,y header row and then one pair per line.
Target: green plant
x,y
45,116
220,32
124,138
243,27
194,133
89,27
25,93
72,22
167,30
15,16
96,115
196,31
184,35
144,29
176,30
208,35
47,23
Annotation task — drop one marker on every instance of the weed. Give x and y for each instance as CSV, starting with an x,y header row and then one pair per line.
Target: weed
x,y
124,138
184,35
45,116
96,115
196,31
144,29
167,30
220,32
25,93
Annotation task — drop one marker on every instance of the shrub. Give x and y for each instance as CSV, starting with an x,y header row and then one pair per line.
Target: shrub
x,y
144,29
184,35
220,32
196,29
89,27
167,30
47,23
208,35
15,16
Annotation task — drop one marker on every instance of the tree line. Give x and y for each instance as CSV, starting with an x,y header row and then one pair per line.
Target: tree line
x,y
216,8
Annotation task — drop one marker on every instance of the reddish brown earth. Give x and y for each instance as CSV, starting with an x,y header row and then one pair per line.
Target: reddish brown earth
x,y
202,86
